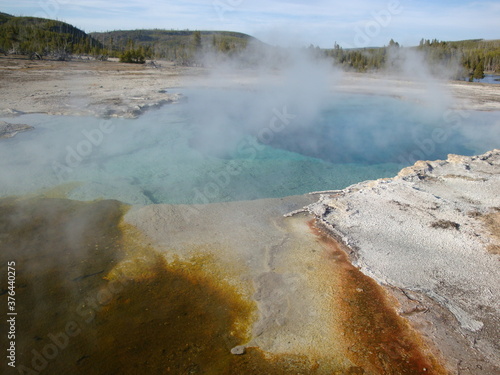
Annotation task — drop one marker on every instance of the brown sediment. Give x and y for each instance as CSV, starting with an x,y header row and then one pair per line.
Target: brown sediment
x,y
53,242
176,321
115,305
132,311
183,318
492,222
377,339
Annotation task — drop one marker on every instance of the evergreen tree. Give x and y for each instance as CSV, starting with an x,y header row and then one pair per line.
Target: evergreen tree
x,y
197,40
479,71
393,44
133,55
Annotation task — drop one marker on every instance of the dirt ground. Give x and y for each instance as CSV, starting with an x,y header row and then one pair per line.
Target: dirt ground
x,y
83,87
111,88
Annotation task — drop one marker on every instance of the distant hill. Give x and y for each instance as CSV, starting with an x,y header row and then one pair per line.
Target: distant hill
x,y
4,17
43,37
38,37
169,44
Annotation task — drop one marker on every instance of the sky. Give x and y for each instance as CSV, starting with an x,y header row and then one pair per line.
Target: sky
x,y
352,23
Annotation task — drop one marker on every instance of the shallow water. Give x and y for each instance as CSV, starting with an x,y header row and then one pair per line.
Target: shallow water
x,y
93,297
489,78
227,145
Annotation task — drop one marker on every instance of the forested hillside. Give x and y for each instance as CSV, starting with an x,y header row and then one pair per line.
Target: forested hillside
x,y
464,59
39,37
183,46
172,44
4,17
475,56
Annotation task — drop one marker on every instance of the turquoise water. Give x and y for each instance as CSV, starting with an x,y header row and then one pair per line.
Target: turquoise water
x,y
226,145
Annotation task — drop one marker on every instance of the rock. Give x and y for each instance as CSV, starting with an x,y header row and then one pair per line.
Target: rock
x,y
427,231
9,112
238,350
10,130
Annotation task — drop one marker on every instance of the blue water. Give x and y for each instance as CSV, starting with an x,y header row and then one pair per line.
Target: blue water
x,y
227,145
489,78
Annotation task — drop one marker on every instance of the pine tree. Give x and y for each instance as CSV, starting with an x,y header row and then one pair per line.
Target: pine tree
x,y
479,70
394,44
197,40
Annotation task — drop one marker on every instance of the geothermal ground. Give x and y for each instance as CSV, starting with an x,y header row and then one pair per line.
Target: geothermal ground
x,y
126,90
394,276
432,234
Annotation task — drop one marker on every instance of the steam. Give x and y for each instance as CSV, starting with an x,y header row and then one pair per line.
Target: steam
x,y
326,124
290,81
410,65
283,123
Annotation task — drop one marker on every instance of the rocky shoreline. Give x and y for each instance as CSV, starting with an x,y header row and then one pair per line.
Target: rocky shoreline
x,y
431,236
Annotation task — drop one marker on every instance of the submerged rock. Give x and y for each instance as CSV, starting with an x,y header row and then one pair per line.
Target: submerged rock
x,y
10,130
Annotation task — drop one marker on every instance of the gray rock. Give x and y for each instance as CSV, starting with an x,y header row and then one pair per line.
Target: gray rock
x,y
10,130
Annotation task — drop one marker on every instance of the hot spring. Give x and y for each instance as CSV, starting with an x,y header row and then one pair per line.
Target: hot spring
x,y
229,144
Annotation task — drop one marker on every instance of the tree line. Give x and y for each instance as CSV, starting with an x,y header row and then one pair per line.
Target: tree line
x,y
39,38
185,47
467,59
